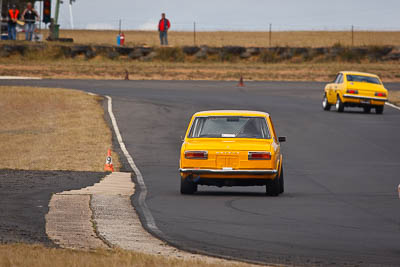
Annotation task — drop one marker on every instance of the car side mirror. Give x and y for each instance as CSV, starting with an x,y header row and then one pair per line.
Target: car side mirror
x,y
282,139
182,138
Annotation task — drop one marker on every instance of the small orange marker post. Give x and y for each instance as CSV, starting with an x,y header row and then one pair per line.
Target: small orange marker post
x,y
241,84
109,167
126,75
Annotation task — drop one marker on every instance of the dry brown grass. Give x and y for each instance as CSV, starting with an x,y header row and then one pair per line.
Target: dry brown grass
x,y
39,256
108,69
52,129
224,38
394,97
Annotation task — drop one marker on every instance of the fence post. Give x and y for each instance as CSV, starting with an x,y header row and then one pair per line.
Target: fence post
x,y
352,35
1,8
270,34
194,33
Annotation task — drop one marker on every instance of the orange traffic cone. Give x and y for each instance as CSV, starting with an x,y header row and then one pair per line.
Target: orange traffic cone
x,y
241,84
109,167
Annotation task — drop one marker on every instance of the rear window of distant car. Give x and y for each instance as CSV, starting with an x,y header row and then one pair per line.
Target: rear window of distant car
x,y
362,79
229,127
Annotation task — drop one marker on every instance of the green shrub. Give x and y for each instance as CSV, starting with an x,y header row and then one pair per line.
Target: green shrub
x,y
350,55
225,56
171,54
268,56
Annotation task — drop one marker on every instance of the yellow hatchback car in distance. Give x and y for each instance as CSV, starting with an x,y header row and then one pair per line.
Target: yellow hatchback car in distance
x,y
231,148
355,89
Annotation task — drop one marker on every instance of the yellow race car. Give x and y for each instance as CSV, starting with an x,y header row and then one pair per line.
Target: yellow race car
x,y
355,89
231,148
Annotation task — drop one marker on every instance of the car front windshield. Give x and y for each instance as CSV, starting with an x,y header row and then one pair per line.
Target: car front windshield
x,y
229,127
363,79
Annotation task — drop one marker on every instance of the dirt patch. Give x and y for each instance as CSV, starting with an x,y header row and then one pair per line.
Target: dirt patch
x,y
24,200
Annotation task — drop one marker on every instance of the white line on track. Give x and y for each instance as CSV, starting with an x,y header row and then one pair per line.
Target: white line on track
x,y
150,223
393,106
19,78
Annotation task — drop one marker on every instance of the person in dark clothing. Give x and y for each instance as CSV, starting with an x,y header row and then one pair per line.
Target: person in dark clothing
x,y
30,17
163,27
13,16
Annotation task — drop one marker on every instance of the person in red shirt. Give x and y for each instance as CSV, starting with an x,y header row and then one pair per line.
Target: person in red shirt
x,y
163,27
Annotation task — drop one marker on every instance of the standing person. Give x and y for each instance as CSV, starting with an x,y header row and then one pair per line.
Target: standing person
x,y
12,15
30,16
163,27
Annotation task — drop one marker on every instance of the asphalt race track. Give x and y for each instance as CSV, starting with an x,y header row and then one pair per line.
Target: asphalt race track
x,y
341,173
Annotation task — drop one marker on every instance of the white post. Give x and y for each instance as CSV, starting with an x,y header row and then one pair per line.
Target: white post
x,y
70,15
1,8
398,189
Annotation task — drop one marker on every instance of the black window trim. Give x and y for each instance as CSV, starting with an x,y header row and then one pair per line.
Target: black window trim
x,y
194,122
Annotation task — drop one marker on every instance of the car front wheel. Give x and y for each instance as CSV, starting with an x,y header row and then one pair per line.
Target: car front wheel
x,y
379,109
325,103
188,187
339,105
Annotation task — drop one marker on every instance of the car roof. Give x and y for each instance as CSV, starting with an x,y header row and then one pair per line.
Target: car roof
x,y
231,113
359,73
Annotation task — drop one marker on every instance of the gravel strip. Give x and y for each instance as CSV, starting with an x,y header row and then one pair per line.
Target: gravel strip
x,y
71,219
69,222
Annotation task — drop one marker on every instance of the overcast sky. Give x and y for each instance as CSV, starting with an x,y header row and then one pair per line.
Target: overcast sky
x,y
235,14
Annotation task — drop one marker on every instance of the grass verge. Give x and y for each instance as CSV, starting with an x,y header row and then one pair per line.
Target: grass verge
x,y
394,97
99,68
39,256
52,129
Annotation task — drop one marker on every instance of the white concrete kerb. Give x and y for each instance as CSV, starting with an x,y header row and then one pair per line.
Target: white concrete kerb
x,y
150,222
19,78
392,105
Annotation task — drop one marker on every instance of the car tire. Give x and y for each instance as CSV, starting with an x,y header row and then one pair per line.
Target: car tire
x,y
188,187
367,109
273,187
379,109
339,105
281,182
325,104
